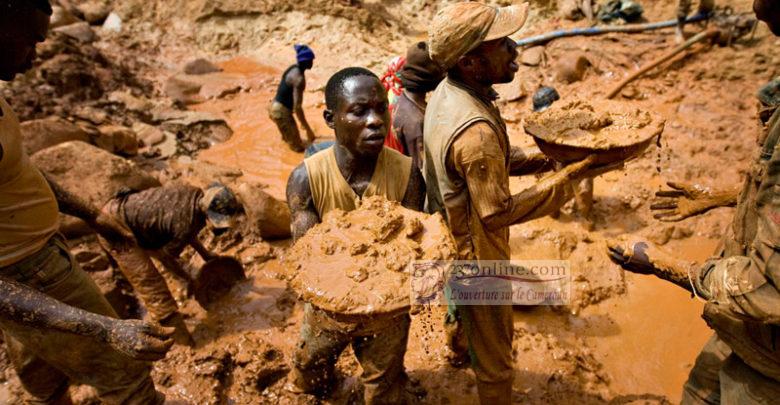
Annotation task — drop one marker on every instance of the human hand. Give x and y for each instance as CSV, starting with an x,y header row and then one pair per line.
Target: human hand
x,y
631,255
683,201
140,340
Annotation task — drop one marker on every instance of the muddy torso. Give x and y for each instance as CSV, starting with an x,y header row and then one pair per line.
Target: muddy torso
x,y
28,209
164,216
408,125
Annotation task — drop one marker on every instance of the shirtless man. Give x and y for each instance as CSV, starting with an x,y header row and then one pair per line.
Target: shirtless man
x,y
58,326
289,98
357,166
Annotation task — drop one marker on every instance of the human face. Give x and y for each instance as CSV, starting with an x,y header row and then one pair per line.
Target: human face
x,y
361,117
306,65
21,32
494,61
768,11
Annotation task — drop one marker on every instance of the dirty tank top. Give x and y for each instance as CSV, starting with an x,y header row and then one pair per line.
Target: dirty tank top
x,y
28,209
331,191
284,93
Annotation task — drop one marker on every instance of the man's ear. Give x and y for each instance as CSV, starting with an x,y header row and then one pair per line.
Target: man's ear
x,y
329,117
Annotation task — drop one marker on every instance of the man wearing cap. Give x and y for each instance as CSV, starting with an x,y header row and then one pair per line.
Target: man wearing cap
x,y
741,362
419,76
468,163
289,98
162,222
58,327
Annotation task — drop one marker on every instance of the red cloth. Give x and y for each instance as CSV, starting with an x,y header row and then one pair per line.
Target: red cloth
x,y
391,81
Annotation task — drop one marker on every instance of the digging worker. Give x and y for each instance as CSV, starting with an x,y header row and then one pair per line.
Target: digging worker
x,y
289,98
162,221
419,76
468,163
57,325
741,364
357,166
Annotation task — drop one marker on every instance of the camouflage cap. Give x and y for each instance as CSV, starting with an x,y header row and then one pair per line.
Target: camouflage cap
x,y
460,28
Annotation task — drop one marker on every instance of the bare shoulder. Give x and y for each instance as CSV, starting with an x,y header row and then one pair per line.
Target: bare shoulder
x,y
298,191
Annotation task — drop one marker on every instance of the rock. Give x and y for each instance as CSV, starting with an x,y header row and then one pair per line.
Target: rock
x,y
266,216
90,172
117,139
569,9
201,66
149,135
571,68
113,23
169,146
94,11
183,91
80,31
130,101
43,133
532,56
61,17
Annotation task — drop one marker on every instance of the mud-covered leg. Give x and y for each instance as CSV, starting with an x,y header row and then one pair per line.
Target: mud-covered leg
x,y
316,354
381,356
489,329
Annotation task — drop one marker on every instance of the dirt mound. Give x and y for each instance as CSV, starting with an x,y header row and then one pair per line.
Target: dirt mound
x,y
356,262
70,76
90,172
230,370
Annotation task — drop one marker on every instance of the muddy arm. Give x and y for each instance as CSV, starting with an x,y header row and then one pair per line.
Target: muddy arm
x,y
642,257
414,199
71,204
687,200
25,306
301,203
529,160
299,86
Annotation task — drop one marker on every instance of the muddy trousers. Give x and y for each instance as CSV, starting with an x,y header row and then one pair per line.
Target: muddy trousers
x,y
140,271
283,118
46,361
488,330
721,377
379,346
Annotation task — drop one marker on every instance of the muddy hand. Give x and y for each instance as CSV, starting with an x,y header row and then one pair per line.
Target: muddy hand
x,y
631,256
140,340
682,201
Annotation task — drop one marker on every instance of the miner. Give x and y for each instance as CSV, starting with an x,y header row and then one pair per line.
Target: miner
x,y
162,221
684,8
289,99
419,76
356,167
468,164
56,323
741,363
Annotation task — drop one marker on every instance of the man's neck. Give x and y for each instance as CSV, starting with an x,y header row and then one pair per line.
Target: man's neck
x,y
417,98
481,90
353,168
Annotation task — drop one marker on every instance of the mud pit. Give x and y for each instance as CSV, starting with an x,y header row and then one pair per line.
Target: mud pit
x,y
623,338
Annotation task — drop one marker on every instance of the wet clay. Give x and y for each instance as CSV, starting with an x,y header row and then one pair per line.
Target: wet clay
x,y
595,127
356,263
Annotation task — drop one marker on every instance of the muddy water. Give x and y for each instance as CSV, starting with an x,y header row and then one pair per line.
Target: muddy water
x,y
643,340
256,146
